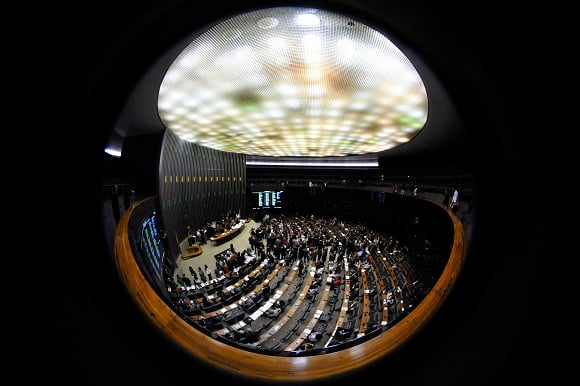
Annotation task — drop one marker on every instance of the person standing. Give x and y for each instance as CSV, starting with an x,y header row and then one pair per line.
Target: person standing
x,y
192,273
201,275
208,272
186,281
191,238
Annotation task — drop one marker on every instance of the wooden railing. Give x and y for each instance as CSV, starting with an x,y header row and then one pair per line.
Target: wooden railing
x,y
267,367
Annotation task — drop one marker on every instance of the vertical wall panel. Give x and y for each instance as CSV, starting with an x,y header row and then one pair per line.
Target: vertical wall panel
x,y
194,187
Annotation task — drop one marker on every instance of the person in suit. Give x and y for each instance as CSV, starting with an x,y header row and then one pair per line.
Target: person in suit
x,y
208,272
191,237
186,281
192,273
201,275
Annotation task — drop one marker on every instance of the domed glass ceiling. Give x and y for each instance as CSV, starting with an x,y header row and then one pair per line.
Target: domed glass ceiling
x,y
292,81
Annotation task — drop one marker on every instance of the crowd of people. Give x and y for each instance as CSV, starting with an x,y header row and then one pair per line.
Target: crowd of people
x,y
305,241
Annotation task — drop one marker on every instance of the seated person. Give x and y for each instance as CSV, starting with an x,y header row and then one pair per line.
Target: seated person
x,y
344,332
247,304
251,336
266,290
315,336
273,312
313,291
306,346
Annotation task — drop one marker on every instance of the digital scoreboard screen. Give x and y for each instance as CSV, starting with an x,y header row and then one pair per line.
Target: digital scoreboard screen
x,y
267,199
150,243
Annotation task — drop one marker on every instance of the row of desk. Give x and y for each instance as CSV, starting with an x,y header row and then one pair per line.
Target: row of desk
x,y
291,310
233,313
295,344
235,308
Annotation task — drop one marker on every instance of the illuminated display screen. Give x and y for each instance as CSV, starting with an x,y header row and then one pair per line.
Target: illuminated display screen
x,y
150,243
267,199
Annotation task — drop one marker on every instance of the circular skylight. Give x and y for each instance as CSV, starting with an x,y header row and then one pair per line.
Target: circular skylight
x,y
291,81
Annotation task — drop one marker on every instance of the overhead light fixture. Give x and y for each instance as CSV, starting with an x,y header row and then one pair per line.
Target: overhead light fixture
x,y
293,81
313,162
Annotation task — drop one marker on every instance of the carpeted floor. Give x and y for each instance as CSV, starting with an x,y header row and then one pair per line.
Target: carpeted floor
x,y
210,249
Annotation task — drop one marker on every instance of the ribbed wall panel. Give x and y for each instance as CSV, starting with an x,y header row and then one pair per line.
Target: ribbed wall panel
x,y
197,185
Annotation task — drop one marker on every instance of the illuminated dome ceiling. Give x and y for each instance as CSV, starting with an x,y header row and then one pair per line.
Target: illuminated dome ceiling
x,y
293,81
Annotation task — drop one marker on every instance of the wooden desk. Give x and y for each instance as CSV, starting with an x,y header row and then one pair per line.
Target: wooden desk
x,y
221,237
309,328
366,304
195,250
